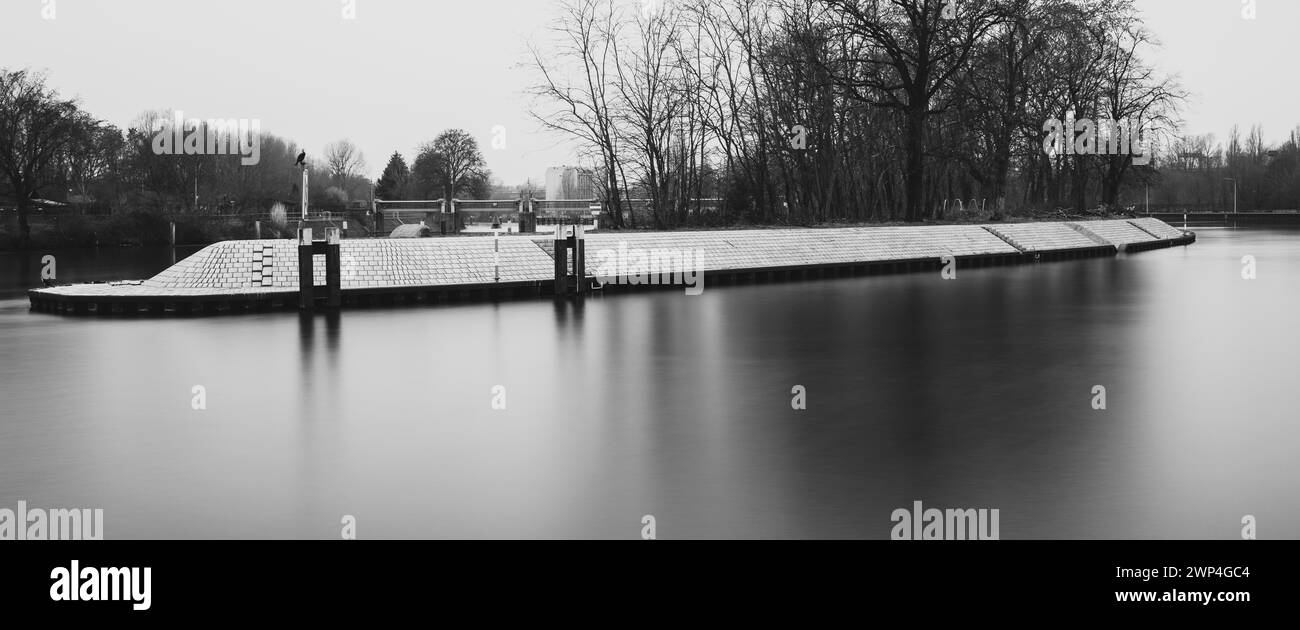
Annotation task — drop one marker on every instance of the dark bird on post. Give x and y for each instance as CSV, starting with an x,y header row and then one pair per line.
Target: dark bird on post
x,y
301,156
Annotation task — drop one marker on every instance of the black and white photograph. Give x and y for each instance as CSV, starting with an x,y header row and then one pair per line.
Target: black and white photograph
x,y
933,277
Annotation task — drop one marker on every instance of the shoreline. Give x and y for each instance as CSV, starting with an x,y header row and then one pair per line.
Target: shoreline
x,y
1200,218
224,228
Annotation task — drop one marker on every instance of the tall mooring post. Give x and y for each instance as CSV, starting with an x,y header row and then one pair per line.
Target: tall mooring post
x,y
527,218
451,214
561,248
306,279
444,218
570,260
333,267
308,247
578,243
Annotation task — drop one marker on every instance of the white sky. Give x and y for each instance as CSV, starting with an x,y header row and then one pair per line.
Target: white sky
x,y
1239,71
405,70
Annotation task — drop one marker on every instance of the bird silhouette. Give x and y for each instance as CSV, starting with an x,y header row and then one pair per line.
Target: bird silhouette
x,y
301,157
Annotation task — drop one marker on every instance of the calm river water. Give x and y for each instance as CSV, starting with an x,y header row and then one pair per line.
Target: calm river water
x,y
975,392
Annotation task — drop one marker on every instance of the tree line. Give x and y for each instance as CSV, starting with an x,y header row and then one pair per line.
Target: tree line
x,y
828,110
51,150
788,111
1201,172
448,167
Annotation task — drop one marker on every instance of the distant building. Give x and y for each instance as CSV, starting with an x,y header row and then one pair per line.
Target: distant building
x,y
570,182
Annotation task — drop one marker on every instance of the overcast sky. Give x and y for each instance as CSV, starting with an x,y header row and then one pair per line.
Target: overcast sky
x,y
404,70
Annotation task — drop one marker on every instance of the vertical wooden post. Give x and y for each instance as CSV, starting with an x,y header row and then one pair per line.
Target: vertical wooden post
x,y
527,217
306,281
333,267
257,230
561,262
579,258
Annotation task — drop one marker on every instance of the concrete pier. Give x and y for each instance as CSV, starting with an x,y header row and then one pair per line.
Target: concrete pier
x,y
236,276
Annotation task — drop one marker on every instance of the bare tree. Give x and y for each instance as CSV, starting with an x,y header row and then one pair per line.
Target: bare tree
x,y
1134,92
574,92
451,164
914,52
648,105
343,160
995,90
35,127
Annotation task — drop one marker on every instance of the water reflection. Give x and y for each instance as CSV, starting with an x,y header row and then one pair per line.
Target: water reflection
x,y
568,312
307,330
966,393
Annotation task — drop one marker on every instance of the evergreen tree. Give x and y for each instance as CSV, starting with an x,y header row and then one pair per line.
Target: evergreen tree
x,y
392,185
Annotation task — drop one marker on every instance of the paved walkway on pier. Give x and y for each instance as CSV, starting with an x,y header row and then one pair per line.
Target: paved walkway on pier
x,y
270,267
